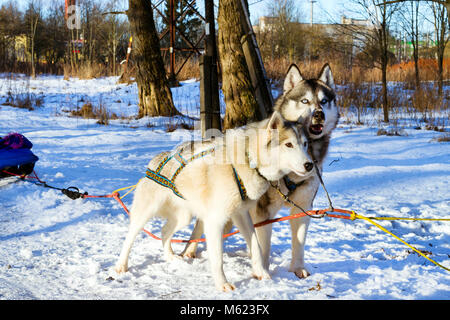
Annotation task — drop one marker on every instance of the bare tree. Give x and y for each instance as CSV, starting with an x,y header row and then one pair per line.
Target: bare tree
x,y
285,35
155,97
441,15
445,3
33,18
55,34
10,28
376,38
411,20
441,27
114,31
91,20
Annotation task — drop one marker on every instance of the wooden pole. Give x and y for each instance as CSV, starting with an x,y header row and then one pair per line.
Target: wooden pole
x,y
256,67
209,84
172,76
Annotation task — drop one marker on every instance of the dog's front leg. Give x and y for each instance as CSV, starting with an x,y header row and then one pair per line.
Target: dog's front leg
x,y
214,243
245,225
299,228
264,233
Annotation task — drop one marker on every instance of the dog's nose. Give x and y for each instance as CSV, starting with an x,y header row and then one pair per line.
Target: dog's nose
x,y
319,115
308,166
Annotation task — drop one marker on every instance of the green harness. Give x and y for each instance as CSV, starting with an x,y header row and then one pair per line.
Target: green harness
x,y
164,181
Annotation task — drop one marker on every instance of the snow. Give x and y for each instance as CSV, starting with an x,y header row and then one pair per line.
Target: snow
x,y
56,248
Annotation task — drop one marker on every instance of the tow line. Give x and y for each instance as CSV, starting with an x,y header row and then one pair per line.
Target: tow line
x,y
74,193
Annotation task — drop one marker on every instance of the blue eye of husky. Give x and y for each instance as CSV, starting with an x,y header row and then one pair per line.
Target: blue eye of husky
x,y
323,101
304,101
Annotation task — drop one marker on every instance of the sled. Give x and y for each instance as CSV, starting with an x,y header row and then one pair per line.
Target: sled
x,y
16,157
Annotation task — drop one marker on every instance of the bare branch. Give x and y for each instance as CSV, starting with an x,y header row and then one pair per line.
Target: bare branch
x,y
114,12
399,1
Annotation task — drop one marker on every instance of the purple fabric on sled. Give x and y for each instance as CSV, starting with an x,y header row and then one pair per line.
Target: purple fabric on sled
x,y
15,141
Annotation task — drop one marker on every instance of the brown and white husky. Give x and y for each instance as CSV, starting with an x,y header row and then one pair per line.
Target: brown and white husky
x,y
219,185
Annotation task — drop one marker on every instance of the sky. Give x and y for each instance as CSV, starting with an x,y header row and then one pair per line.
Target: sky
x,y
322,8
324,11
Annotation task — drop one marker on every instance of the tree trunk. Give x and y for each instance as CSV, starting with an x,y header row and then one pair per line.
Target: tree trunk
x,y
34,22
384,62
155,97
441,23
384,92
440,73
416,70
33,65
442,42
415,43
240,101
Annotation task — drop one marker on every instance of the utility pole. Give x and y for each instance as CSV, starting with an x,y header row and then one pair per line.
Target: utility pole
x,y
311,30
312,11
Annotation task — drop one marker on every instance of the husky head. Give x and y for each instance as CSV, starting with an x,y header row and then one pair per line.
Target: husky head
x,y
309,101
280,150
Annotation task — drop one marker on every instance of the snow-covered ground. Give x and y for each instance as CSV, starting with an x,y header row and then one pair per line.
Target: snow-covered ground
x,y
52,247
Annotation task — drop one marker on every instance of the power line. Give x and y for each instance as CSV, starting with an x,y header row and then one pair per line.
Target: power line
x,y
255,2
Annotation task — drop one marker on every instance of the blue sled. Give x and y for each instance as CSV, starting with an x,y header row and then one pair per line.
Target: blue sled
x,y
17,161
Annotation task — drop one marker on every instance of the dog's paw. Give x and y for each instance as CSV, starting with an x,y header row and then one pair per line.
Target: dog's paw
x,y
226,287
190,255
121,268
261,275
301,273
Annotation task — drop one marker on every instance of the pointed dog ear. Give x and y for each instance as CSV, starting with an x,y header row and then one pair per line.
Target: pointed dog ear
x,y
276,121
326,75
293,77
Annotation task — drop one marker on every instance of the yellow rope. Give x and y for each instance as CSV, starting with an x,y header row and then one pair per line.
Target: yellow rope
x,y
353,216
409,219
126,188
358,216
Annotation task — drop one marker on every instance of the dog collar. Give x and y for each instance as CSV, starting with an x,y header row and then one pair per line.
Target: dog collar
x,y
291,185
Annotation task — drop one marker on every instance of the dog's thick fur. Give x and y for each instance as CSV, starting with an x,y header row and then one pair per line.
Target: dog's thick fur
x,y
273,149
311,102
320,97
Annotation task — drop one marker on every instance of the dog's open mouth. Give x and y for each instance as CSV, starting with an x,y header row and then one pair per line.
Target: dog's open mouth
x,y
316,129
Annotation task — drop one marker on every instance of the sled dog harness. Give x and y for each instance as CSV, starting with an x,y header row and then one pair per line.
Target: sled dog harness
x,y
164,181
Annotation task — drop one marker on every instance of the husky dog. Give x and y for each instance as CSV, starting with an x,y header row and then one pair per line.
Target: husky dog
x,y
310,102
211,188
314,101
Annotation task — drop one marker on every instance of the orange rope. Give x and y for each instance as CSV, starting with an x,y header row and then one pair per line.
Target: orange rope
x,y
116,196
347,216
343,214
